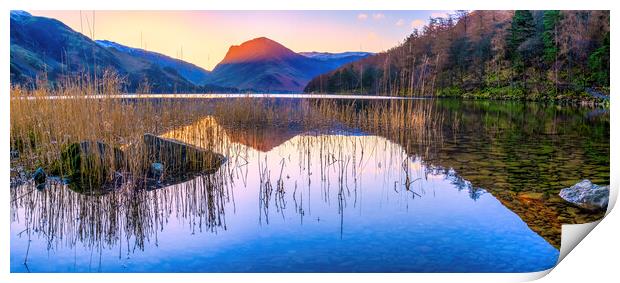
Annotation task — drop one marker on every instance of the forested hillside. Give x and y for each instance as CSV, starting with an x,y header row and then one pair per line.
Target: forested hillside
x,y
535,55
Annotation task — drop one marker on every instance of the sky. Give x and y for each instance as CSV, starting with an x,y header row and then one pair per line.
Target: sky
x,y
203,37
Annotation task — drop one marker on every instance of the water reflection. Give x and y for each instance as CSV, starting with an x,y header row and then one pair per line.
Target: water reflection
x,y
126,219
338,195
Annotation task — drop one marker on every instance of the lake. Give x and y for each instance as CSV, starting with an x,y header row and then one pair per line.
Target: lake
x,y
326,185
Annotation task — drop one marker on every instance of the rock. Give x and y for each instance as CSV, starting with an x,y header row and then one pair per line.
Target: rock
x,y
178,157
587,195
88,164
39,176
157,169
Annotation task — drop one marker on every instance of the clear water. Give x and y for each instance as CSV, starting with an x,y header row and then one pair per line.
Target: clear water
x,y
290,201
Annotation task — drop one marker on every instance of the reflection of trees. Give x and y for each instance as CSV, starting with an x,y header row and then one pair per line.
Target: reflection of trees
x,y
524,154
511,149
516,151
134,217
462,184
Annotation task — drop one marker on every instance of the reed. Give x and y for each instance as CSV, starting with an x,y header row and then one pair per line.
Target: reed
x,y
45,122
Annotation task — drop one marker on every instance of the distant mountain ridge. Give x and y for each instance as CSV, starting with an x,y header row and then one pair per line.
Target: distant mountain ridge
x,y
336,60
329,56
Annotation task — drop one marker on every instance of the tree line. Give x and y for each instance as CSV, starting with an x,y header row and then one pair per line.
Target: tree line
x,y
538,55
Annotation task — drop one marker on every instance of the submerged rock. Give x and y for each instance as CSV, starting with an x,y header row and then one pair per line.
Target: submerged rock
x,y
587,195
39,177
157,169
178,157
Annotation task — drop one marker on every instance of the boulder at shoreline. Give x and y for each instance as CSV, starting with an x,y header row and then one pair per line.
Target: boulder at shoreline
x,y
587,195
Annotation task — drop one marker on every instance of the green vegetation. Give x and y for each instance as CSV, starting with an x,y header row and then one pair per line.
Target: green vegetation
x,y
525,55
599,64
550,42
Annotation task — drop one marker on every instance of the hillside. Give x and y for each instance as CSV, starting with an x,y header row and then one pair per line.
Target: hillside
x,y
188,71
538,55
46,49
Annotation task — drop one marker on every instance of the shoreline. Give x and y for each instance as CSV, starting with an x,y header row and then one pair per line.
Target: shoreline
x,y
591,101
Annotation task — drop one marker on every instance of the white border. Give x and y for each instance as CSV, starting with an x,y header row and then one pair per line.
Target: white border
x,y
594,260
309,5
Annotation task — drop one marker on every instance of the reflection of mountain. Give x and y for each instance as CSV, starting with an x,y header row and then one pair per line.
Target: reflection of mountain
x,y
262,139
167,223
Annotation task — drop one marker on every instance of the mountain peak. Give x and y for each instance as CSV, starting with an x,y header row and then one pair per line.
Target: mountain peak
x,y
257,49
262,64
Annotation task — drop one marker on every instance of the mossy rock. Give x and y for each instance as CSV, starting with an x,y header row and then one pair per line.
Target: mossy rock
x,y
87,165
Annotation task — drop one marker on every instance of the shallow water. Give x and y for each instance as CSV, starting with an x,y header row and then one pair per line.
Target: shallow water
x,y
229,95
481,196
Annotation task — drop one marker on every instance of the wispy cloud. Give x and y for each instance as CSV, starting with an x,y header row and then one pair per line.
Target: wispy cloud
x,y
400,23
378,16
362,17
417,23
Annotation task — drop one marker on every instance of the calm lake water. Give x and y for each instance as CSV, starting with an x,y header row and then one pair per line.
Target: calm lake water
x,y
476,193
